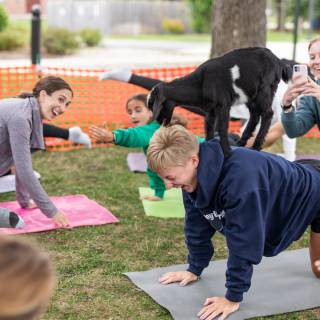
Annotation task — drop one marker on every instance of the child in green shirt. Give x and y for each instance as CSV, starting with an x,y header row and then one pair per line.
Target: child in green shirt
x,y
138,136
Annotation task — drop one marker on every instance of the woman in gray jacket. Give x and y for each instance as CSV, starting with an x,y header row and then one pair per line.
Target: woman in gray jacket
x,y
21,132
298,122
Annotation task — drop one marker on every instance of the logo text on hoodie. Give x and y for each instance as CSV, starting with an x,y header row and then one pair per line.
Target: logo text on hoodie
x,y
215,218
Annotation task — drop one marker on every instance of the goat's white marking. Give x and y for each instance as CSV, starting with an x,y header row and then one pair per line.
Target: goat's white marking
x,y
235,74
148,97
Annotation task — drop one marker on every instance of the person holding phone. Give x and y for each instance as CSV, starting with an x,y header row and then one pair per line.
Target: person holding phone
x,y
298,121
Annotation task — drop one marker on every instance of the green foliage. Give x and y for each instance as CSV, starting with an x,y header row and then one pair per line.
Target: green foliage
x,y
11,39
174,26
201,14
291,7
91,37
60,41
4,18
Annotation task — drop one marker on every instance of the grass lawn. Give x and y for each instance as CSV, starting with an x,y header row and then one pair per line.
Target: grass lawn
x,y
90,260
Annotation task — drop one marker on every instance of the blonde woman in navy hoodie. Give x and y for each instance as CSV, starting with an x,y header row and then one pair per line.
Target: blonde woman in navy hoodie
x,y
260,202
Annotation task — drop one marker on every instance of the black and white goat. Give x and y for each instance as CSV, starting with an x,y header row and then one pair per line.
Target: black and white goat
x,y
244,76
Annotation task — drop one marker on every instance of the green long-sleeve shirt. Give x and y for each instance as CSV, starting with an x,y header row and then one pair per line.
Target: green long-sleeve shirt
x,y
139,137
301,121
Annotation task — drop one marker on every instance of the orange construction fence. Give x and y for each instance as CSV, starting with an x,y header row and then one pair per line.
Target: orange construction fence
x,y
96,102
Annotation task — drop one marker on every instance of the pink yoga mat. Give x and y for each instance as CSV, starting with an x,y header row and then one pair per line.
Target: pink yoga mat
x,y
80,211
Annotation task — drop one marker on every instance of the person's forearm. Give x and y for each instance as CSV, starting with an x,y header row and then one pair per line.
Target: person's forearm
x,y
294,126
271,138
238,277
36,192
25,175
137,137
22,195
199,257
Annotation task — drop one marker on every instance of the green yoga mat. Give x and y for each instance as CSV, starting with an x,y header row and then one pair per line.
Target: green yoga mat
x,y
170,207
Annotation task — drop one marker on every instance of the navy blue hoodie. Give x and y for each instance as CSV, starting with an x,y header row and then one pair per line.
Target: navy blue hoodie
x,y
259,201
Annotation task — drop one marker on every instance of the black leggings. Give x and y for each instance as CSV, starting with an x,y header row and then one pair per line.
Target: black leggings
x,y
143,82
52,131
315,224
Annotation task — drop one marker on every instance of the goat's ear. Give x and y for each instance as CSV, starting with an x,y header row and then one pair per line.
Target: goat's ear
x,y
150,99
155,102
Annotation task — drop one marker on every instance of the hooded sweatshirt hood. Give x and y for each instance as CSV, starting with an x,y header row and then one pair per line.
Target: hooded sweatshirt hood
x,y
211,161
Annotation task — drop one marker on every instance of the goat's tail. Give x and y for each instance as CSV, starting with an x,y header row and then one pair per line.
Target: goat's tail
x,y
286,73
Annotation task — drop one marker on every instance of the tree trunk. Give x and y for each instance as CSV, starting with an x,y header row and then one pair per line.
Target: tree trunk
x,y
237,24
281,14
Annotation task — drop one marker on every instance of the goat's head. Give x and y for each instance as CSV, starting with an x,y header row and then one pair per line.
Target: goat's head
x,y
161,108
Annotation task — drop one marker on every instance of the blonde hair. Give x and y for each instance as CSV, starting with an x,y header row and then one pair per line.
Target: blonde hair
x,y
171,147
312,42
27,280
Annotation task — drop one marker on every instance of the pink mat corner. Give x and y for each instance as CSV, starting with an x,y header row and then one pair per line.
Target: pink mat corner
x,y
80,210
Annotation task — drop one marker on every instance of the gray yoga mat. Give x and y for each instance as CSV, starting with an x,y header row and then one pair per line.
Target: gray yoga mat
x,y
280,284
137,162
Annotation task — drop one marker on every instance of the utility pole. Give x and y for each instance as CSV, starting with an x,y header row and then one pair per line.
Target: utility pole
x,y
35,35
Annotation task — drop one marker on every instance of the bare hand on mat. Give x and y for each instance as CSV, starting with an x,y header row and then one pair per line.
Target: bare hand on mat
x,y
183,277
31,204
317,264
60,219
215,306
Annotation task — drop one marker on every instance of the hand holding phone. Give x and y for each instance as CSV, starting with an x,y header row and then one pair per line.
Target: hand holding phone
x,y
299,81
300,69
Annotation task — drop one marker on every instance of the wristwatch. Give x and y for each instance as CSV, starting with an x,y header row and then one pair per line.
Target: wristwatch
x,y
287,108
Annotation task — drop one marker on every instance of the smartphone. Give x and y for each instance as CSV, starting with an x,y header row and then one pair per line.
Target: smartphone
x,y
302,69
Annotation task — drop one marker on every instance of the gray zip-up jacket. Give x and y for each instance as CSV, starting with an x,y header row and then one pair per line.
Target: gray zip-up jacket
x,y
20,133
